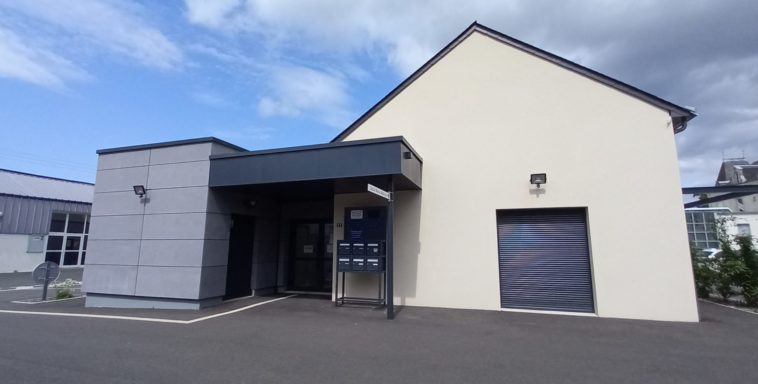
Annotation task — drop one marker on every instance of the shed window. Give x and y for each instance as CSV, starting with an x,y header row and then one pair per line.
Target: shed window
x,y
67,241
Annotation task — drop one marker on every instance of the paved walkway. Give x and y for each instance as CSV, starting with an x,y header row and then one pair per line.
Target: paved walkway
x,y
309,340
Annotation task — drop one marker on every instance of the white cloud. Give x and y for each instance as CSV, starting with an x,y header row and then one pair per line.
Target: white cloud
x,y
297,90
210,99
34,64
210,13
82,27
246,137
404,33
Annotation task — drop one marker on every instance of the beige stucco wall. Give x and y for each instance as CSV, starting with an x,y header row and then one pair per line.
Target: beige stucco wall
x,y
484,118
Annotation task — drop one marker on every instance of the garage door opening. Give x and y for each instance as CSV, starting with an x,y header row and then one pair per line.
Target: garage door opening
x,y
544,260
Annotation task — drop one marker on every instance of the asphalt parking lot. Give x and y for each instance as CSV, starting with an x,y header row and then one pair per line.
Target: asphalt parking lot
x,y
306,339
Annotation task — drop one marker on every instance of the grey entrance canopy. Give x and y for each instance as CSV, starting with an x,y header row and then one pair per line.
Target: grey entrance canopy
x,y
320,170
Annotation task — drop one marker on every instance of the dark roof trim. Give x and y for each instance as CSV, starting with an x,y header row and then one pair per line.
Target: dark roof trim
x,y
679,114
742,188
199,140
46,199
45,177
322,146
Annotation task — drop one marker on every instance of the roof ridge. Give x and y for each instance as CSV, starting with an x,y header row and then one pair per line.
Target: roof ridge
x,y
45,177
684,114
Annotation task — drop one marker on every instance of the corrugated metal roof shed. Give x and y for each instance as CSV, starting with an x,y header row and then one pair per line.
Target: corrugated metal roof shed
x,y
28,185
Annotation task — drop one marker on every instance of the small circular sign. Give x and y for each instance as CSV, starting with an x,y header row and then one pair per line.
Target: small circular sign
x,y
46,271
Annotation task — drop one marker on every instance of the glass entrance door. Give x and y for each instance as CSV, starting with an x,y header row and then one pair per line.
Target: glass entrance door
x,y
311,257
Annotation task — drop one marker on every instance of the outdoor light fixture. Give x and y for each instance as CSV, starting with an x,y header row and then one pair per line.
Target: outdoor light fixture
x,y
140,190
538,179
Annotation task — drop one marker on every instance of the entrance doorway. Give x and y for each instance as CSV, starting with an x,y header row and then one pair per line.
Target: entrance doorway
x,y
310,266
239,266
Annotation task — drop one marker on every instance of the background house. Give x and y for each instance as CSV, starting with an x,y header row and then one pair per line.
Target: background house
x,y
738,172
42,218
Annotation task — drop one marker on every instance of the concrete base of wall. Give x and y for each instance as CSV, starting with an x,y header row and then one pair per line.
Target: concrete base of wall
x,y
95,300
263,291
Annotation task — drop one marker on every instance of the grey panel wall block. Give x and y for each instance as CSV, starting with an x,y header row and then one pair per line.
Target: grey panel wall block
x,y
123,160
216,252
180,154
264,275
123,179
218,149
183,226
171,282
213,282
113,252
217,226
266,246
177,200
116,227
181,253
109,279
112,301
31,216
117,203
179,175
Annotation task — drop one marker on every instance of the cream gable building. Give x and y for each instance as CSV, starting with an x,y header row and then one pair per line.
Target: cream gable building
x,y
605,234
485,114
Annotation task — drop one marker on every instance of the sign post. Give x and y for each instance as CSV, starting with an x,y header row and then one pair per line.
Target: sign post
x,y
46,273
389,265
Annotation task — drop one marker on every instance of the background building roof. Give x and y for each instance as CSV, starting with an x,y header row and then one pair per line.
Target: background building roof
x,y
29,185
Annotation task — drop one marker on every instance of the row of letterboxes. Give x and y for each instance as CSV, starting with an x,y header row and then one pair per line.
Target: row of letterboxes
x,y
360,256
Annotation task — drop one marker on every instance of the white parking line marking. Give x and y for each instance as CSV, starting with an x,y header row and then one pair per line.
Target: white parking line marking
x,y
147,319
238,309
63,314
729,306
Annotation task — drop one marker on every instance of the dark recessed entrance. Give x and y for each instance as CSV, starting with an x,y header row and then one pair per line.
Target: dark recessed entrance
x,y
310,266
240,263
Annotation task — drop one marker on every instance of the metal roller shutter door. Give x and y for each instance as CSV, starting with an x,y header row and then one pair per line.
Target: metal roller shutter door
x,y
544,260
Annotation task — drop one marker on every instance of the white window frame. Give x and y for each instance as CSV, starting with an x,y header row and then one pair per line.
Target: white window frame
x,y
81,251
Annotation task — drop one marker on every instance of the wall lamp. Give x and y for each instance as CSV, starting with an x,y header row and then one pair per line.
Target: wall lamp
x,y
140,190
538,179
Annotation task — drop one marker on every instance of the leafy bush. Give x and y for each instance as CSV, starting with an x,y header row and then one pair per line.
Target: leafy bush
x,y
63,293
705,276
749,280
736,266
64,290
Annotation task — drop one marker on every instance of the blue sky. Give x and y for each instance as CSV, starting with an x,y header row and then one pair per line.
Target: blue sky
x,y
80,75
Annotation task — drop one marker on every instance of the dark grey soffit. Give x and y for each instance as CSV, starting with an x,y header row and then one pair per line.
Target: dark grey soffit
x,y
351,143
677,112
326,162
199,140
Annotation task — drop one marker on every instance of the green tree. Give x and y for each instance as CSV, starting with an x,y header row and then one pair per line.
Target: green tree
x,y
749,280
729,266
704,273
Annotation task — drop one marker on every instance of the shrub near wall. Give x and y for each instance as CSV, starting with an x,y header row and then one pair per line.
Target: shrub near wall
x,y
734,271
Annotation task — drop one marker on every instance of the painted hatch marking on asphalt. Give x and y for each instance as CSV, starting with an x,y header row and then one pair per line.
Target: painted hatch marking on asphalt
x,y
146,319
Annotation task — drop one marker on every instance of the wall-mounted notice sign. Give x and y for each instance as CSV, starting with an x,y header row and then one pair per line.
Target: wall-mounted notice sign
x,y
379,192
356,214
308,248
